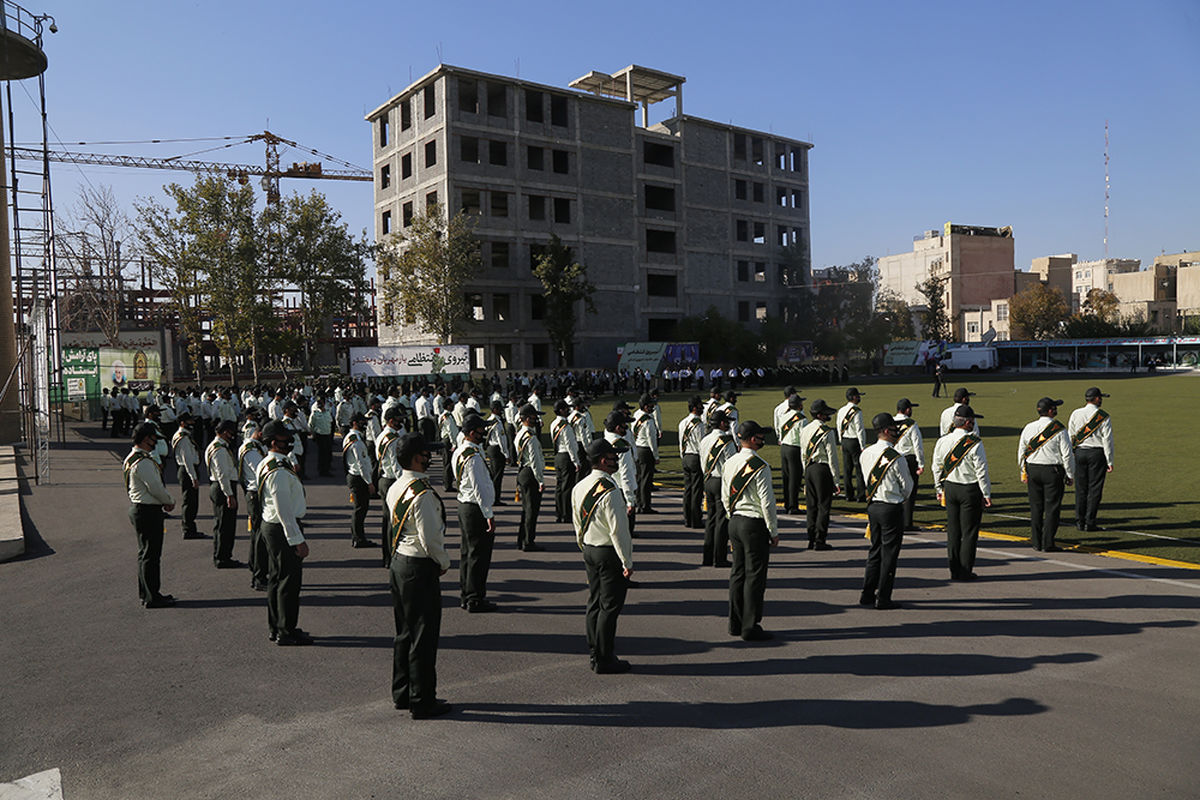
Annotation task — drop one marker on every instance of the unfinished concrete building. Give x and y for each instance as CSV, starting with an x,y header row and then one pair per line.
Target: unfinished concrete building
x,y
669,218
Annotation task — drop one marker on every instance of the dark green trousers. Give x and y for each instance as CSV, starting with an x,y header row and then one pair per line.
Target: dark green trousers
x,y
360,498
564,482
259,559
644,460
189,504
748,577
147,522
531,504
818,500
693,491
385,536
716,525
496,462
417,608
607,587
887,534
964,512
1091,467
285,575
793,477
224,523
476,557
852,470
1045,483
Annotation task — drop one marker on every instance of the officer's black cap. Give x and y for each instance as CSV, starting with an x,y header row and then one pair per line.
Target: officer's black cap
x,y
275,430
528,411
621,405
645,400
966,412
904,403
185,416
719,416
392,413
819,406
473,422
749,429
226,426
410,445
1093,393
853,392
731,396
561,408
795,402
1046,403
961,395
600,447
614,419
358,418
145,429
497,406
883,421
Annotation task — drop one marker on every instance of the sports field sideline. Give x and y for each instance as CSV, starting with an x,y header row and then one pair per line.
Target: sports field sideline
x,y
1151,506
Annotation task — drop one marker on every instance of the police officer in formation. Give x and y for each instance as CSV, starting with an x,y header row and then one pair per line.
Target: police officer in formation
x,y
531,471
616,433
960,478
250,455
475,516
887,486
389,467
818,459
749,498
420,559
779,413
1047,463
566,460
1090,428
853,437
691,433
602,531
912,447
645,442
715,449
148,499
585,432
499,448
946,421
789,428
284,506
187,459
359,474
222,490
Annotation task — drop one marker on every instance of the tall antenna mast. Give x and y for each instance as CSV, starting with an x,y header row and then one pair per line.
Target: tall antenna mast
x,y
1106,187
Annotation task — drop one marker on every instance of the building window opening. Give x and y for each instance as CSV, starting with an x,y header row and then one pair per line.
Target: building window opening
x,y
658,154
660,241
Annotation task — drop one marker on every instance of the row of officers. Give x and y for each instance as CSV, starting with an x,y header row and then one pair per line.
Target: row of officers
x,y
741,513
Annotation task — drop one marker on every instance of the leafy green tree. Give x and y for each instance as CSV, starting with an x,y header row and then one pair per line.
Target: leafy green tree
x,y
720,338
564,283
316,254
423,272
1102,304
934,318
1039,311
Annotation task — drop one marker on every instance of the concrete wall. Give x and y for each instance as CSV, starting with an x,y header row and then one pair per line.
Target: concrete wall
x,y
1188,290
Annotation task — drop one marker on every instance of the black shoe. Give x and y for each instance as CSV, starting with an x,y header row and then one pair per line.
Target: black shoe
x,y
481,607
1052,549
533,548
360,543
757,634
258,586
706,563
436,709
228,563
723,564
401,705
614,667
911,528
964,576
298,639
273,635
866,599
886,605
812,545
499,503
194,535
648,511
1093,528
163,601
823,546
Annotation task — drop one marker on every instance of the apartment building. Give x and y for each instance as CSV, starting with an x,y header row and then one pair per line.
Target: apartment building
x,y
1098,274
669,218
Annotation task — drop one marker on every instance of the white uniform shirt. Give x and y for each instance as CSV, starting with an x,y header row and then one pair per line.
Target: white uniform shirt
x,y
897,482
474,482
222,466
282,495
824,451
529,452
626,474
185,454
144,482
385,452
911,443
609,523
645,431
757,500
973,468
423,534
581,420
1057,450
691,434
497,436
793,420
250,455
946,423
850,424
358,460
562,434
1103,437
715,449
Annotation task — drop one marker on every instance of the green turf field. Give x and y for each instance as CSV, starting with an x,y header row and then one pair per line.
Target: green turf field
x,y
1151,500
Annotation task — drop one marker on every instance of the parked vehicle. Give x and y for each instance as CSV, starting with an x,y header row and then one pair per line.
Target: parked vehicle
x,y
972,359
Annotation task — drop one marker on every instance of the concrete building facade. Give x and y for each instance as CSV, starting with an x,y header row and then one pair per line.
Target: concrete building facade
x,y
669,219
1098,274
977,261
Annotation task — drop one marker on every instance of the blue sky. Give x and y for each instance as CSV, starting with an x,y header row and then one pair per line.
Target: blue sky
x,y
920,113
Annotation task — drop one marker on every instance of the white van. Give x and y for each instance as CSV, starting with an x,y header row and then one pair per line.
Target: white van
x,y
971,359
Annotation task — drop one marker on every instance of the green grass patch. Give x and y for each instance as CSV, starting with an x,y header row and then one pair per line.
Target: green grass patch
x,y
1151,492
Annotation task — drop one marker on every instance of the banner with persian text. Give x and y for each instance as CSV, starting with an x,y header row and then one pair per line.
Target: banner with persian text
x,y
400,360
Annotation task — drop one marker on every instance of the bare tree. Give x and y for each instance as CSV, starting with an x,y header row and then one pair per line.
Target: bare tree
x,y
91,265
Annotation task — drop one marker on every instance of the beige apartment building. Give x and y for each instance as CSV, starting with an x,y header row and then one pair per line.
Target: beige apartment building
x,y
669,218
978,261
1098,274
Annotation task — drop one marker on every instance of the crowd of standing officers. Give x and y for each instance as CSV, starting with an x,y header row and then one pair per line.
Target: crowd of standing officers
x,y
257,440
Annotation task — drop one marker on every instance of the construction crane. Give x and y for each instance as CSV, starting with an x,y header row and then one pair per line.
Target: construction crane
x,y
271,172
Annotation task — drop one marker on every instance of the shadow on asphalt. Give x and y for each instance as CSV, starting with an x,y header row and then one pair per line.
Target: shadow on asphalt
x,y
903,665
854,714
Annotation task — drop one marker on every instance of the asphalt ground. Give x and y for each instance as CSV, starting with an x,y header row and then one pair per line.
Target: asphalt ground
x,y
1061,675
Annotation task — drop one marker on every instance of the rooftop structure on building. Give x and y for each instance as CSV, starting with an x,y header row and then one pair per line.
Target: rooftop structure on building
x,y
975,261
670,218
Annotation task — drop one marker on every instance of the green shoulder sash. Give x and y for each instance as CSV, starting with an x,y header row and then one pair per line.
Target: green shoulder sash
x,y
889,456
1047,433
591,500
788,424
818,438
848,419
739,482
131,462
1090,427
460,463
404,506
957,454
714,454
